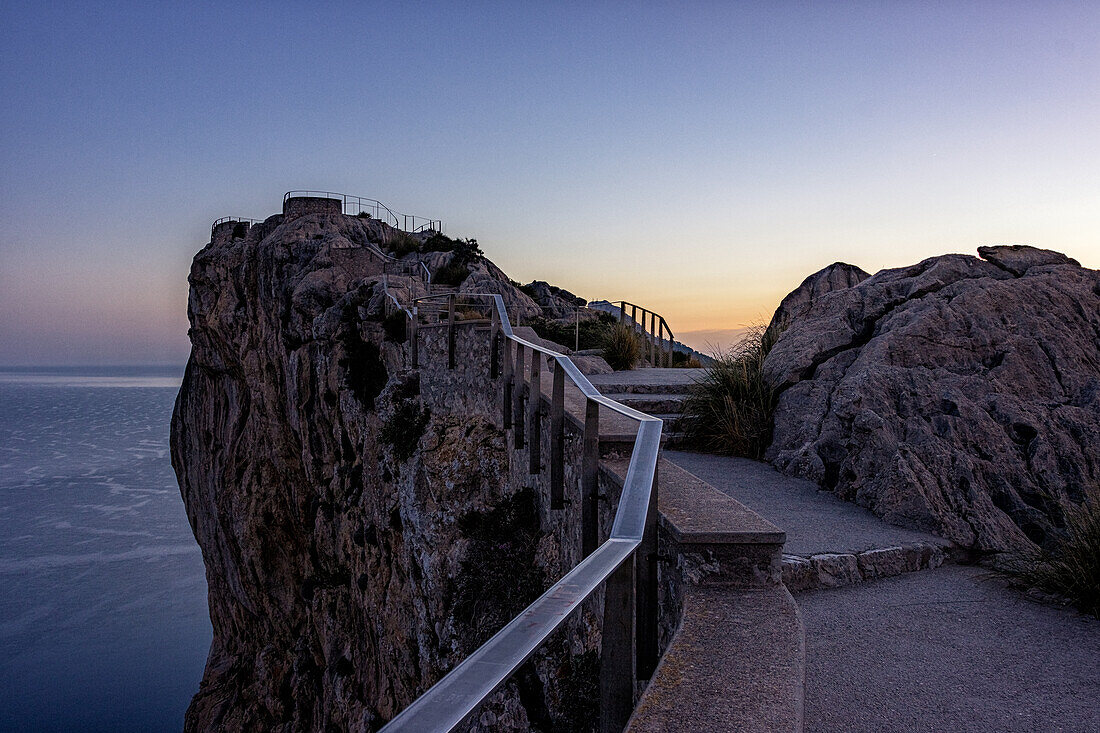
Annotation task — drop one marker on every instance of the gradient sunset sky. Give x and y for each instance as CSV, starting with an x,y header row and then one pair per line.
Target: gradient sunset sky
x,y
697,158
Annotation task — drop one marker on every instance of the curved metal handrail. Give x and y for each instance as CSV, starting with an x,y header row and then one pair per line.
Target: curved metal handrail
x,y
227,219
362,203
455,697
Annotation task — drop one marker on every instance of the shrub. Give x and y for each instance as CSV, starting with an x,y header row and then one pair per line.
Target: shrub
x,y
500,573
395,326
405,427
623,347
438,243
452,274
1070,566
731,408
239,230
363,215
402,244
683,360
594,332
366,374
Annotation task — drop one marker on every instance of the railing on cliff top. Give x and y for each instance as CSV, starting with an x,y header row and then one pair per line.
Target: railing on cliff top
x,y
626,563
355,205
235,220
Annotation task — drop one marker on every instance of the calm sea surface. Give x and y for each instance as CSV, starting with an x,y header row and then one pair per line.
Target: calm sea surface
x,y
103,620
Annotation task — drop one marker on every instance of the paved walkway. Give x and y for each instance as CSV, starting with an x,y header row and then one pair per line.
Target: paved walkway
x,y
947,650
815,521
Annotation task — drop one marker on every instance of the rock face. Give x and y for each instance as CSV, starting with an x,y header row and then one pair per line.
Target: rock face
x,y
349,524
959,395
836,276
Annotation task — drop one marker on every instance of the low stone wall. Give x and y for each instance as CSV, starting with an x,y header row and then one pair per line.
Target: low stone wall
x,y
302,205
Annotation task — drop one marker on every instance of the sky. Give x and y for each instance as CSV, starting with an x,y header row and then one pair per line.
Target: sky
x,y
700,158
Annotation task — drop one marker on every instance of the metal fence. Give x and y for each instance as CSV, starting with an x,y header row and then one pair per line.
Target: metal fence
x,y
355,205
625,564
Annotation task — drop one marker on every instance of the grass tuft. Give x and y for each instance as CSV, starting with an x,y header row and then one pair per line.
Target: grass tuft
x,y
731,408
1070,567
623,347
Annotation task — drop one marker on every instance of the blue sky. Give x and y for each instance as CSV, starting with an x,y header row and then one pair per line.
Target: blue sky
x,y
700,158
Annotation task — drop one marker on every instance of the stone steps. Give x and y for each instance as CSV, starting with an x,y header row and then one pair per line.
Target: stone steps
x,y
653,403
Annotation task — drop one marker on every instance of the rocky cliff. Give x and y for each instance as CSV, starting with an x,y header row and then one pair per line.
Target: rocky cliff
x,y
960,395
359,537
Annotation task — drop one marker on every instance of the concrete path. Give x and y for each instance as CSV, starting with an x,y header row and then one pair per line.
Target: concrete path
x,y
947,650
815,521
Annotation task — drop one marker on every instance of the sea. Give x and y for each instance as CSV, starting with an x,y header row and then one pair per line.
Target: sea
x,y
103,615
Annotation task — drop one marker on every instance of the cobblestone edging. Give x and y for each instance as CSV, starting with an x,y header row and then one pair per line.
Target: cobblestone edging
x,y
832,570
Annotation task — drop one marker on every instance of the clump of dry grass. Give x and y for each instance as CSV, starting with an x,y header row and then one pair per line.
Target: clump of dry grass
x,y
731,407
1070,567
623,347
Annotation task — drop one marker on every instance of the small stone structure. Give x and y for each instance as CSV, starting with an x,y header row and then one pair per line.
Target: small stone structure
x,y
296,206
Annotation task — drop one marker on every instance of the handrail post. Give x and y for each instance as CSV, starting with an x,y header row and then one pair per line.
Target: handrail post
x,y
494,345
506,400
617,649
451,331
517,398
646,601
652,340
534,413
590,479
622,310
557,438
414,336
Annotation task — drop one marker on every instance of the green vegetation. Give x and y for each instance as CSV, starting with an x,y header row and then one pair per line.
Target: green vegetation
x,y
623,347
402,244
500,576
1070,567
363,215
403,430
731,408
438,243
453,274
395,326
579,692
684,361
594,332
366,373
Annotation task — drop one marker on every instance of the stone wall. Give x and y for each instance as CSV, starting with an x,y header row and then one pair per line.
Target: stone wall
x,y
302,205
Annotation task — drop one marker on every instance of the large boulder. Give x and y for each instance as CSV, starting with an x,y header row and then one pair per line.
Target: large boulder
x,y
959,395
837,276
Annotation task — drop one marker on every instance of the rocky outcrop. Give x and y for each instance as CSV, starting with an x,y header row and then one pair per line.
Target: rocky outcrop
x,y
360,535
836,276
960,395
555,302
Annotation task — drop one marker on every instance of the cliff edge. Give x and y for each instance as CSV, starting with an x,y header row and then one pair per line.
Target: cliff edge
x,y
359,539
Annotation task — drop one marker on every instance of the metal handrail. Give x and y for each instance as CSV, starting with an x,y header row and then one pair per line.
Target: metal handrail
x,y
239,219
656,331
361,204
455,697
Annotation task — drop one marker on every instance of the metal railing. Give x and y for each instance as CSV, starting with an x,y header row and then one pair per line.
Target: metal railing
x,y
355,205
234,219
657,349
625,564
